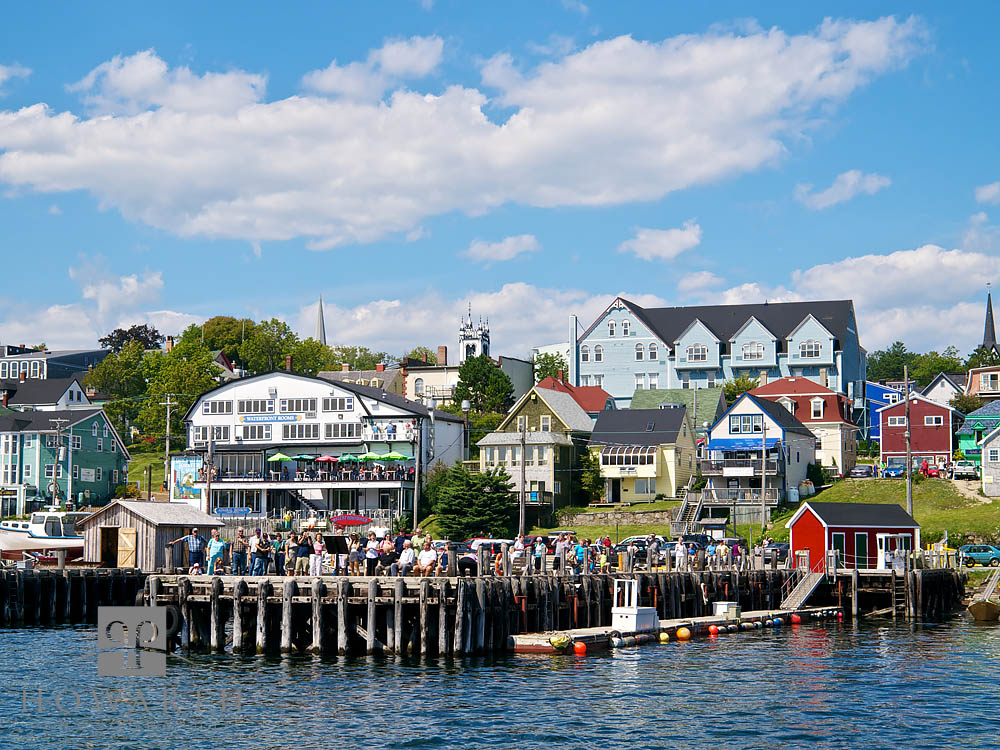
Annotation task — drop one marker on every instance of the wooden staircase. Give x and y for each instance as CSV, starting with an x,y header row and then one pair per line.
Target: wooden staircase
x,y
802,591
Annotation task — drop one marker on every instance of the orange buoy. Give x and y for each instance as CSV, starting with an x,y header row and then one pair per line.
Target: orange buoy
x,y
795,619
580,648
683,634
713,629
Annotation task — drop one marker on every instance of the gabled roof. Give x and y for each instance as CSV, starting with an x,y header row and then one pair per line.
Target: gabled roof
x,y
32,392
387,375
778,414
56,354
857,514
591,398
632,427
42,421
161,514
752,319
711,401
802,392
917,396
795,385
947,378
563,406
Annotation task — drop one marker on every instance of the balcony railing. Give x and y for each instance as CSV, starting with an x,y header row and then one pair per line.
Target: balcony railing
x,y
382,435
738,466
739,495
344,475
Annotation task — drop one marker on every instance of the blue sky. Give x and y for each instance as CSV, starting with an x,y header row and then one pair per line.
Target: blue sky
x,y
533,159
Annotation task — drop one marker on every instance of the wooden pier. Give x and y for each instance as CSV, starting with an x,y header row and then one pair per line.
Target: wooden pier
x,y
72,596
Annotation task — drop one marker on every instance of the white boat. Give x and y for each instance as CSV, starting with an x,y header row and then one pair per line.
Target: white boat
x,y
45,530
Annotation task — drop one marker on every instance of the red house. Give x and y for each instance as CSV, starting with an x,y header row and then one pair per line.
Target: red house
x,y
932,431
865,534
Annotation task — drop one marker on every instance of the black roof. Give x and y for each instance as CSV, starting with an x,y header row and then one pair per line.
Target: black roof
x,y
784,418
36,391
632,426
41,421
780,318
863,514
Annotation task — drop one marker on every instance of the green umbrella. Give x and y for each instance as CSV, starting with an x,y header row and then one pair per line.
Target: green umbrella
x,y
369,456
280,457
394,456
348,458
304,457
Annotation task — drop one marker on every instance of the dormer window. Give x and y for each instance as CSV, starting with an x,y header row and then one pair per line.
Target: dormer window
x,y
584,353
753,351
639,352
817,408
611,329
809,349
598,353
625,327
788,404
651,351
697,353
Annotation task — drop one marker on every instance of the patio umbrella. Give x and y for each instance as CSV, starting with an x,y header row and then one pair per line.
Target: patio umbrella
x,y
348,458
395,456
304,457
326,459
350,520
369,457
280,457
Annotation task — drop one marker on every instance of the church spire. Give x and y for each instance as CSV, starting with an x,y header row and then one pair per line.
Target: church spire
x,y
320,323
989,332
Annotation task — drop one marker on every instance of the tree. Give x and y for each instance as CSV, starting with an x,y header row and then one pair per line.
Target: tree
x,y
264,350
982,357
225,333
966,402
146,335
887,364
927,366
468,504
588,485
484,385
357,357
185,374
549,365
735,388
420,352
121,377
310,356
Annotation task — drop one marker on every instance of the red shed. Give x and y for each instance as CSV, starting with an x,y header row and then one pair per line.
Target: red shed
x,y
932,431
862,532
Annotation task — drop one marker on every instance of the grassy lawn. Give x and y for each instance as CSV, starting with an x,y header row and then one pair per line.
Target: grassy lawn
x,y
137,469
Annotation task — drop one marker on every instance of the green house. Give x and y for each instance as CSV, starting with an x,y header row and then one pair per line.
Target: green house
x,y
977,425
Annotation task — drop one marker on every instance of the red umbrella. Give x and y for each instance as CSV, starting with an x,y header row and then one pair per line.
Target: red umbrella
x,y
349,520
326,459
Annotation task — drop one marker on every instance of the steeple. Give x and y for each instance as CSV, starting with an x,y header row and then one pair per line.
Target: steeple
x,y
320,323
989,332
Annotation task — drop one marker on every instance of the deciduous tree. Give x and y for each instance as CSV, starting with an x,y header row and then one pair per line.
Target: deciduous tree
x,y
484,385
736,387
549,365
120,377
146,335
265,349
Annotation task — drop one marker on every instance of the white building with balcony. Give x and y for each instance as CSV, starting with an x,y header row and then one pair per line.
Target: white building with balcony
x,y
282,441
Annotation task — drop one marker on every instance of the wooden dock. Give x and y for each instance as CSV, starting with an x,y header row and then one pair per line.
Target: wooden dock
x,y
72,596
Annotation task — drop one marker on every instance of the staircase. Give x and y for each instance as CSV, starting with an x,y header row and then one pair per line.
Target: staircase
x,y
689,513
304,501
801,593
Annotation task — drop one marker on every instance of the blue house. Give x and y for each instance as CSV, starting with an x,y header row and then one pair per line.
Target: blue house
x,y
877,395
629,348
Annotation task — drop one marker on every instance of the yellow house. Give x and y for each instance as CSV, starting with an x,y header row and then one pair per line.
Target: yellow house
x,y
644,453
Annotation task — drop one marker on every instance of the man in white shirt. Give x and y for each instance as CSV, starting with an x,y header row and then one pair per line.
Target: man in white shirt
x,y
404,564
426,561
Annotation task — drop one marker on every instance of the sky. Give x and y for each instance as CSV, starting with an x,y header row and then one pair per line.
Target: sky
x,y
407,160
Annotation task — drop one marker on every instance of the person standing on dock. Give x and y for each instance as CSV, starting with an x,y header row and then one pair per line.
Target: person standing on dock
x,y
216,554
371,554
239,554
195,546
261,554
539,553
302,555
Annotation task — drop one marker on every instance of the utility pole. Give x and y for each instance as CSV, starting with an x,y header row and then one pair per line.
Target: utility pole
x,y
169,403
909,458
207,501
763,477
521,507
59,422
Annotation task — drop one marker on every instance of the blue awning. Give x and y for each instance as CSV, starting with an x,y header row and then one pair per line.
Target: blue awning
x,y
741,443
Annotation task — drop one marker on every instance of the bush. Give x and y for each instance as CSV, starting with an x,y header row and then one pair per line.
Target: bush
x,y
816,475
128,490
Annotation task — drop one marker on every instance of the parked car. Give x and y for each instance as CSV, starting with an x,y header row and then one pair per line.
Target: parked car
x,y
777,549
862,471
981,554
933,470
894,471
965,470
702,539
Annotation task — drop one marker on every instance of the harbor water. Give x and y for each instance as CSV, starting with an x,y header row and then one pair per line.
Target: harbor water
x,y
820,685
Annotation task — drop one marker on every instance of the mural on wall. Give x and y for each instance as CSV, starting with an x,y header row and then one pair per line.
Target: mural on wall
x,y
184,472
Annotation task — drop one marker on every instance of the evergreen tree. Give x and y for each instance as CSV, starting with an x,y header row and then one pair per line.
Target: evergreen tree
x,y
484,385
588,485
468,504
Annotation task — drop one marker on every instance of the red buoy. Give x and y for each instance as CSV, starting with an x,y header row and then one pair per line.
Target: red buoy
x,y
840,615
713,629
580,648
795,619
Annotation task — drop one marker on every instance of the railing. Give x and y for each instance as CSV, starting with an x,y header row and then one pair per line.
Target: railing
x,y
355,475
739,495
719,466
383,435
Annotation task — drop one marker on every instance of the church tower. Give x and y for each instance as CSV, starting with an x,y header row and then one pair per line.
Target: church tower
x,y
320,323
989,332
473,340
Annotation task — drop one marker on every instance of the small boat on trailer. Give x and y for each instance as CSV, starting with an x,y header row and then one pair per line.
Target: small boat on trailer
x,y
45,532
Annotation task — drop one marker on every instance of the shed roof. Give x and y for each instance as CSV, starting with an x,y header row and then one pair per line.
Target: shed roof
x,y
161,514
638,427
857,514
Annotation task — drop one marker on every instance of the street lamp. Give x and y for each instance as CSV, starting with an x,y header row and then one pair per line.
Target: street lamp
x,y
468,440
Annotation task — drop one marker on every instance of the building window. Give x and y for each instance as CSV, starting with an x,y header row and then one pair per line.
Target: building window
x,y
75,442
897,422
99,474
3,369
299,431
522,424
892,398
100,444
217,407
255,406
654,380
645,486
34,368
745,424
711,380
651,351
49,469
640,381
697,353
989,381
754,350
298,405
257,432
105,433
611,328
817,408
685,380
545,423
343,430
93,429
599,381
585,380
338,404
993,456
114,476
639,352
809,349
625,327
933,421
27,471
584,353
201,433
542,453
557,487
76,471
418,387
598,353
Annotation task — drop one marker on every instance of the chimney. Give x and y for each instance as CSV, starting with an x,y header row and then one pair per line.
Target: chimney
x,y
168,345
442,355
423,356
559,376
763,377
288,362
22,375
380,368
91,391
822,376
345,368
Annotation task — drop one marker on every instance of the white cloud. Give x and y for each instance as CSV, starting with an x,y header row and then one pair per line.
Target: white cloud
x,y
520,316
621,120
12,71
928,297
506,249
698,281
988,193
395,61
418,233
576,6
847,185
663,244
54,210
130,85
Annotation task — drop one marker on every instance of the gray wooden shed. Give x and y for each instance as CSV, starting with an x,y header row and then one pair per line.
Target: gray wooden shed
x,y
135,533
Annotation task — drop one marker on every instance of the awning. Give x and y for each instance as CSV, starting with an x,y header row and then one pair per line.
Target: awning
x,y
741,444
628,450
